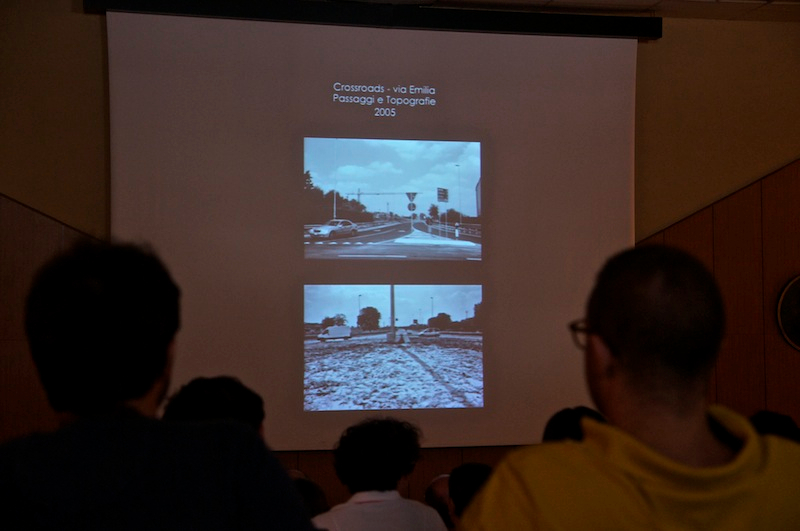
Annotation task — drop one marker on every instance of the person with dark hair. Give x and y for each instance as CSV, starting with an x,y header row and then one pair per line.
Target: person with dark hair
x,y
217,398
370,459
666,459
101,321
464,483
566,423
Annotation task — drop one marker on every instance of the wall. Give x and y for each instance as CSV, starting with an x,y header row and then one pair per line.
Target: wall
x,y
54,111
716,109
750,241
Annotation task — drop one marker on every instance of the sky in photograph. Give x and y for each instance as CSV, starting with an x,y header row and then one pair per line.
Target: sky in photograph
x,y
411,301
394,167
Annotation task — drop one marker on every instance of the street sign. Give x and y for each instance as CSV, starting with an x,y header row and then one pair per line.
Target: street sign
x,y
411,196
441,194
412,207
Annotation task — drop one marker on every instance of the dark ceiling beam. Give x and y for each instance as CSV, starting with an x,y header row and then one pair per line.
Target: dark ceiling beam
x,y
400,16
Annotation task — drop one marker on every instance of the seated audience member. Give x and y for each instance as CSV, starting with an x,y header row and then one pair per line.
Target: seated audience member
x,y
437,495
312,495
370,459
566,423
773,423
217,398
464,483
666,459
101,321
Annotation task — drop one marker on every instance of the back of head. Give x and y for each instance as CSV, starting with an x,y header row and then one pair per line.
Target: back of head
x,y
465,482
660,313
218,398
376,453
566,423
100,319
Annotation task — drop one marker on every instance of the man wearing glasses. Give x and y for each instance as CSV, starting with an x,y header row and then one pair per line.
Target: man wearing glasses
x,y
666,459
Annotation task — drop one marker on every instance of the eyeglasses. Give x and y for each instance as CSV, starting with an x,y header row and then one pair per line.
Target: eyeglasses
x,y
580,331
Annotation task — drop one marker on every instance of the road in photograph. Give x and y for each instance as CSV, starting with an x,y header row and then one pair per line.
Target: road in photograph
x,y
368,373
401,239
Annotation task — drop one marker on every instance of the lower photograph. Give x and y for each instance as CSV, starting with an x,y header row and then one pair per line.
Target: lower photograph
x,y
392,346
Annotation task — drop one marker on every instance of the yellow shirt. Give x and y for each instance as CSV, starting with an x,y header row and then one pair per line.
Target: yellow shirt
x,y
612,481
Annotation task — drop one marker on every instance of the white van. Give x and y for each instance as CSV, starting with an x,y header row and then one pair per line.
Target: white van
x,y
335,332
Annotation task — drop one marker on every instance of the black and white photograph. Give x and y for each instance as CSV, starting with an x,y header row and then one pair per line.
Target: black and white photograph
x,y
382,347
392,199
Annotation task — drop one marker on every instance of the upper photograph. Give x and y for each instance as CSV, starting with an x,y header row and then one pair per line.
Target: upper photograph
x,y
367,199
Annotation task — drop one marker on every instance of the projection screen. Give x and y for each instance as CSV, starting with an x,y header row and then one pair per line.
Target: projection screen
x,y
372,221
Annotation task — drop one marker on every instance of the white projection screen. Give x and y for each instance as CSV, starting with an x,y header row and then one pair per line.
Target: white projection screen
x,y
233,141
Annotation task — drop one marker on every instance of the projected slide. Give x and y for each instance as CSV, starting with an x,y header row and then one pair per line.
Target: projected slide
x,y
392,199
488,213
357,359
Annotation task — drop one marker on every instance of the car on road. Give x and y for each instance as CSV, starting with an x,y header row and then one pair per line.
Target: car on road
x,y
429,332
334,228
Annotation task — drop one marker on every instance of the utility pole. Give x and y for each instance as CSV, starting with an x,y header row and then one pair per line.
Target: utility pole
x,y
460,220
392,335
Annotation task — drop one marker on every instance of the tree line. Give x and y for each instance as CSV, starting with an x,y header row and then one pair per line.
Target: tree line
x,y
318,206
369,319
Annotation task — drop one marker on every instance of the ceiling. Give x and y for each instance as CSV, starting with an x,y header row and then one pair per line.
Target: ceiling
x,y
751,10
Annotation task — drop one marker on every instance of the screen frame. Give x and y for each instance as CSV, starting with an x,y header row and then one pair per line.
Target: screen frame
x,y
399,17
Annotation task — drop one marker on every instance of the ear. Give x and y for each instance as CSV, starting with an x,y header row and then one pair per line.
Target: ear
x,y
599,355
163,383
601,369
170,359
148,404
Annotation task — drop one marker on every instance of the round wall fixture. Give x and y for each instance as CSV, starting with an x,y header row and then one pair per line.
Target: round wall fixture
x,y
789,312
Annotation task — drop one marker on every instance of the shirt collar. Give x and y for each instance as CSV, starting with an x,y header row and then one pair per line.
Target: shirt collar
x,y
373,496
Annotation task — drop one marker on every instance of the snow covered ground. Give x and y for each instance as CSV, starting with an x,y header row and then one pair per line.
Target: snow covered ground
x,y
367,373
